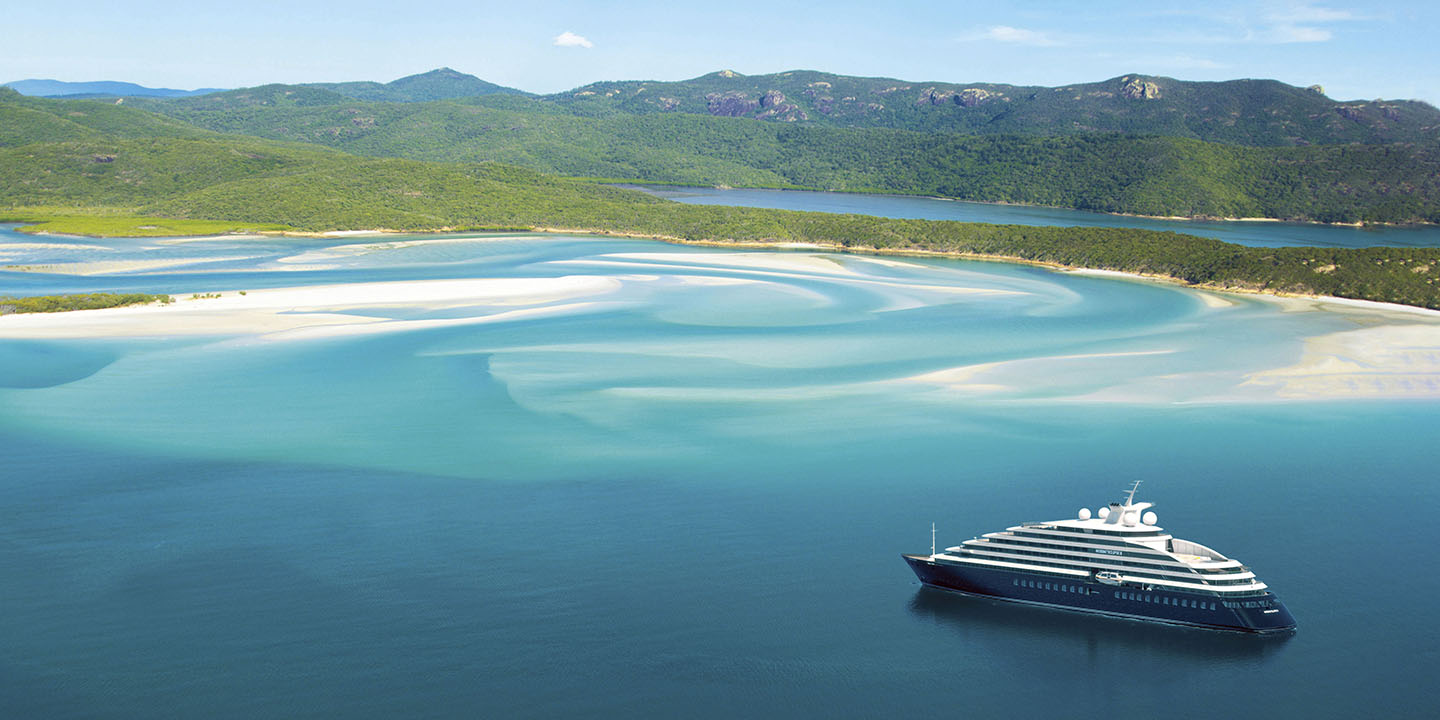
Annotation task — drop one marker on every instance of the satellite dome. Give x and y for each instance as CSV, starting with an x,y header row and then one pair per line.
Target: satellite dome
x,y
1150,518
1103,512
1130,517
1084,513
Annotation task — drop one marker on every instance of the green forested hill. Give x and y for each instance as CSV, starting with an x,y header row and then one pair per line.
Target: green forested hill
x,y
438,84
1104,172
28,119
1243,112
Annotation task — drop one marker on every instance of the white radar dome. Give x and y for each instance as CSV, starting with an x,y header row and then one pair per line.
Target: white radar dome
x,y
1103,512
1130,517
1150,518
1084,513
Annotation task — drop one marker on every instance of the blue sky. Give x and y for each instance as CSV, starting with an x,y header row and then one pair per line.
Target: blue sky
x,y
1355,51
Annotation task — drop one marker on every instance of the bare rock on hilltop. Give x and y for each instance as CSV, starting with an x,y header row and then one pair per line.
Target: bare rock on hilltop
x,y
1137,89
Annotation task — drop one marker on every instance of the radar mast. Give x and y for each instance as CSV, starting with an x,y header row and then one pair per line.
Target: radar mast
x,y
1130,499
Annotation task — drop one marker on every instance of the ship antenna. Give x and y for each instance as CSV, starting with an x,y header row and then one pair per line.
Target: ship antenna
x,y
932,539
1131,498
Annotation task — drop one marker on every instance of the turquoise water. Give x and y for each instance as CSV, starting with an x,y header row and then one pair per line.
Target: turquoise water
x,y
1264,234
678,484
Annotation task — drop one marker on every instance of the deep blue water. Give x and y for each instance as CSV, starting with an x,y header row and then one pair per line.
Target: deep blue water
x,y
1264,234
685,495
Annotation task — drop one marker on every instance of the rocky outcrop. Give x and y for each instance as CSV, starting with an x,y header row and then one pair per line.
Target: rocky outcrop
x,y
1137,89
1351,112
771,98
788,112
969,97
1317,89
732,103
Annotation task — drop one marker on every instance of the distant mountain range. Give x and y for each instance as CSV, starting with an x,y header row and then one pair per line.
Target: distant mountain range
x,y
1244,112
99,88
1239,112
438,84
1133,144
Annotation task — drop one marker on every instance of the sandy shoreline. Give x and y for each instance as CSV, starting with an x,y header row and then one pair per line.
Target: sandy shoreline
x,y
308,307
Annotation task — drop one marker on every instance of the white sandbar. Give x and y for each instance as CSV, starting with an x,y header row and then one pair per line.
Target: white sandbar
x,y
1388,361
288,309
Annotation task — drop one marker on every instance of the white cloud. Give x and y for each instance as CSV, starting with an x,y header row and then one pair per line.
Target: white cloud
x,y
1014,35
1299,34
1306,13
1298,23
570,39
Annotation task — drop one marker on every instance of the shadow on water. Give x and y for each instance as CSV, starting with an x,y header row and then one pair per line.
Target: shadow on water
x,y
974,617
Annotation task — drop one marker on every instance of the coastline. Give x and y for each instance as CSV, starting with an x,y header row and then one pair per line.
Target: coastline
x,y
825,247
1392,351
644,186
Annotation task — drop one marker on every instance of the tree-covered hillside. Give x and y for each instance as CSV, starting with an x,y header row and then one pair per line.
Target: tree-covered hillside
x,y
249,182
1103,172
1242,112
438,84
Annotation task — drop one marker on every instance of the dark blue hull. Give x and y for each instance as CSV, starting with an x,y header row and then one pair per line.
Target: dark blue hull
x,y
1259,614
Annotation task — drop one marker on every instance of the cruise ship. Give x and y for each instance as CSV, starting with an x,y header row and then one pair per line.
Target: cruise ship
x,y
1116,561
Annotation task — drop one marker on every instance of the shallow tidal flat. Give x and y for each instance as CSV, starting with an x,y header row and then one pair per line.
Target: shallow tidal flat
x,y
713,323
543,475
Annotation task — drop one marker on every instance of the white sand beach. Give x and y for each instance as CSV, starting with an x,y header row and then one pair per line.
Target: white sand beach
x,y
289,309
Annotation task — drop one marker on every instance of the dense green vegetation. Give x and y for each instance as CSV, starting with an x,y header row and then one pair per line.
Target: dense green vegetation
x,y
1102,172
88,301
438,84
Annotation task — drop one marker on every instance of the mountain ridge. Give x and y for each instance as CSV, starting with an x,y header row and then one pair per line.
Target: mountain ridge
x,y
38,87
439,84
1242,111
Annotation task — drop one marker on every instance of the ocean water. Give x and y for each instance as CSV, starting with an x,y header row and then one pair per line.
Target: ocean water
x,y
676,481
1256,233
